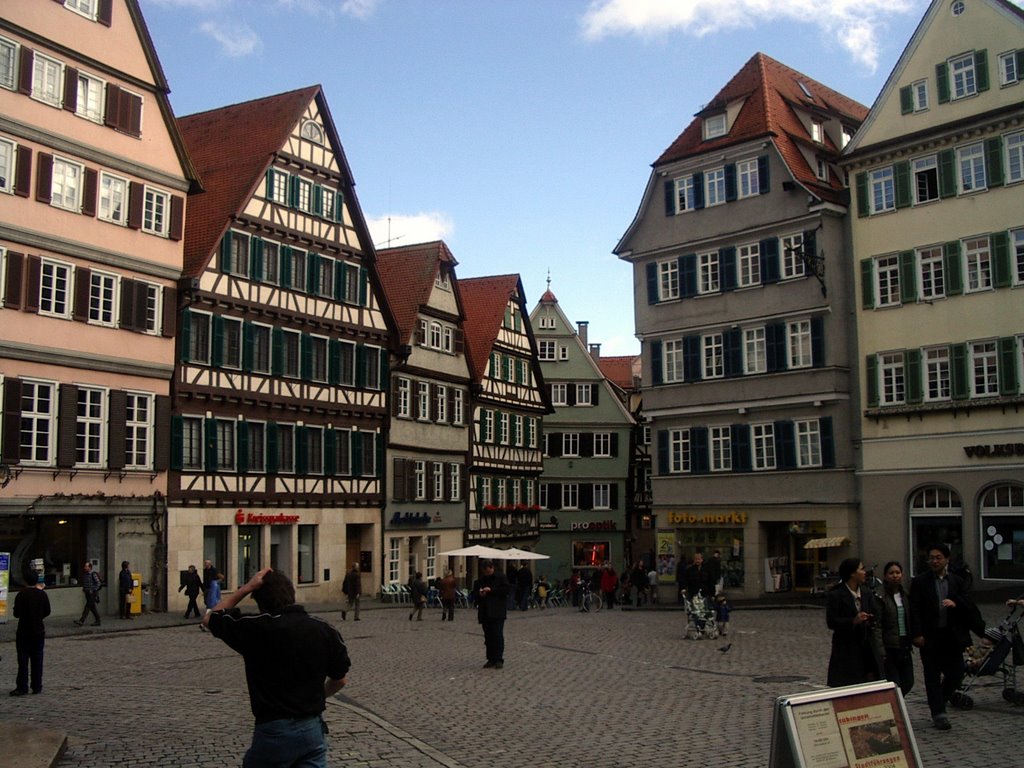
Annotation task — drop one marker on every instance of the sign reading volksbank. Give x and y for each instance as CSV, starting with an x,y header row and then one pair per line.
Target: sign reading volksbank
x,y
252,518
688,518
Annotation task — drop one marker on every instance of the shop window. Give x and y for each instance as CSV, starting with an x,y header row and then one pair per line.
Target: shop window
x,y
935,517
1002,532
590,554
57,541
281,548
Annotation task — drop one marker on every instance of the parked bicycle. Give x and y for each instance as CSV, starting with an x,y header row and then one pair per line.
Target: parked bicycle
x,y
589,601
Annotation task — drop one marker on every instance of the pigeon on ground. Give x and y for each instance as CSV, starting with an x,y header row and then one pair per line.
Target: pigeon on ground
x,y
725,648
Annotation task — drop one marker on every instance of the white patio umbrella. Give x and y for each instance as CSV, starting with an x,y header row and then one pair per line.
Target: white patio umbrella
x,y
514,553
477,550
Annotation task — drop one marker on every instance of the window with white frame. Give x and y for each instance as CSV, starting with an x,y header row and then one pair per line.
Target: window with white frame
x,y
47,79
1013,144
297,281
372,358
7,155
238,253
712,355
403,407
484,495
191,443
517,429
423,401
86,8
891,379
8,63
762,438
715,126
38,423
325,278
798,334
312,132
936,373
3,277
198,338
563,352
442,280
138,436
261,348
154,299
668,280
887,281
458,407
156,209
984,369
707,273
1008,73
440,403
279,187
291,344
66,185
546,350
817,131
437,476
679,450
503,430
531,432
846,137
971,164
808,443
714,187
500,492
919,95
89,427
1017,244
113,199
547,322
570,495
755,356
749,184
454,482
673,360
327,202
602,496
560,394
394,545
925,171
821,168
304,195
963,78
102,298
225,431
932,277
602,445
720,445
447,339
792,250
89,103
584,394
434,335
883,189
256,449
685,200
749,257
487,425
55,289
318,358
978,264
570,443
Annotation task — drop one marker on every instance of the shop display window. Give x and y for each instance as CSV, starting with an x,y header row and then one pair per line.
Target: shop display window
x,y
62,543
590,554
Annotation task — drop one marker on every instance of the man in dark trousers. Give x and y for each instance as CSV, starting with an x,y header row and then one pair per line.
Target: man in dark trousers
x,y
490,593
125,586
352,587
524,587
293,662
941,616
91,589
31,606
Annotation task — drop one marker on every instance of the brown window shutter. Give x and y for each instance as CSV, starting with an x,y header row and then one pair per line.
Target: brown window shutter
x,y
33,269
25,67
140,306
127,318
23,172
162,434
112,101
92,179
67,425
398,484
394,396
83,282
10,440
105,12
460,342
15,276
451,405
135,198
133,115
421,333
116,432
177,217
170,314
44,177
70,89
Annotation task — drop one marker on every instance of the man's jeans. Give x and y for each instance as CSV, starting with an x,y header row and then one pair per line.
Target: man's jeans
x,y
299,743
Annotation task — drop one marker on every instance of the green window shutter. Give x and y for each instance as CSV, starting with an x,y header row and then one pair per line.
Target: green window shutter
x,y
256,259
248,345
1008,384
272,465
339,280
763,179
293,191
318,200
951,268
862,194
286,266
312,272
912,367
360,367
242,442
301,450
177,442
305,357
339,206
960,372
334,362
268,191
185,335
867,283
908,277
277,351
225,252
217,344
210,449
384,363
1002,266
906,100
1019,56
902,173
364,286
330,452
942,82
981,69
994,162
871,376
947,173
357,454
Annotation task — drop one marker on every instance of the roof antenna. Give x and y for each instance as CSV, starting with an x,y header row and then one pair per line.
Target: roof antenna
x,y
549,279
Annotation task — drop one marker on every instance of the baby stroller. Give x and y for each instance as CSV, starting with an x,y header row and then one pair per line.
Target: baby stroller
x,y
999,652
700,618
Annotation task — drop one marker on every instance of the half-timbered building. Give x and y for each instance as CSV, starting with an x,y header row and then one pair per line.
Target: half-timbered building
x,y
93,181
425,505
280,388
508,402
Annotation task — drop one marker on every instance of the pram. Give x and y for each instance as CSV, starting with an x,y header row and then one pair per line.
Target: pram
x,y
999,652
700,618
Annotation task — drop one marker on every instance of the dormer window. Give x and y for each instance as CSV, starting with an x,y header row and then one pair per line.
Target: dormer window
x,y
817,131
441,280
312,132
822,170
714,126
847,137
805,89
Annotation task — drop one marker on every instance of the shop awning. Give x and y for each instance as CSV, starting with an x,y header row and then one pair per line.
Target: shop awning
x,y
830,541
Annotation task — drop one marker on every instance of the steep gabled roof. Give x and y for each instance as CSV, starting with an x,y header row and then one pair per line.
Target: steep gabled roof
x,y
483,301
770,91
618,370
232,147
407,274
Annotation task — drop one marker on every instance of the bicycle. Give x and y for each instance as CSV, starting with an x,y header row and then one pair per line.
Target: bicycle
x,y
590,601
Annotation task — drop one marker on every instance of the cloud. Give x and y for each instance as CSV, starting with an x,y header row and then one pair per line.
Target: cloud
x,y
856,25
397,229
236,38
360,9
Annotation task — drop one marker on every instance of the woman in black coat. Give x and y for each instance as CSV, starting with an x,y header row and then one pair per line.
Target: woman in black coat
x,y
851,614
894,604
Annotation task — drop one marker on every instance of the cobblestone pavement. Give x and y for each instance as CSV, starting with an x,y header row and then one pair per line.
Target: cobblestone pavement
x,y
616,688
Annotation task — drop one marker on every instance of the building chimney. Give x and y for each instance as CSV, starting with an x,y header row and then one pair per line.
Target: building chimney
x,y
595,351
583,331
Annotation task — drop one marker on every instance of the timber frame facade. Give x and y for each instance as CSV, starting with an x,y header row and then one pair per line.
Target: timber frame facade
x,y
280,391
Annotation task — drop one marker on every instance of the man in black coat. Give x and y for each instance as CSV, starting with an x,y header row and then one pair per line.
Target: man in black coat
x,y
696,581
941,617
524,587
31,606
490,593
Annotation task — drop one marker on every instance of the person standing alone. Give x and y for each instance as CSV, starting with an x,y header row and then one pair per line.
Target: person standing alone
x,y
31,606
490,593
352,587
91,589
125,587
192,585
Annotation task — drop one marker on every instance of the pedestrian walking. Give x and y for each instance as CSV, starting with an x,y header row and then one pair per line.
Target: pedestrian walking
x,y
490,593
447,589
193,585
91,585
211,584
352,588
31,607
524,587
897,644
125,589
722,611
852,616
293,662
418,592
609,583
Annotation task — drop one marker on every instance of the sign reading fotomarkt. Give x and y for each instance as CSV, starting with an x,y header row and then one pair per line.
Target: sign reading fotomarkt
x,y
711,518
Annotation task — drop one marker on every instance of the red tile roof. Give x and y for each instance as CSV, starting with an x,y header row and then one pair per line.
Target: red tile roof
x,y
407,274
548,297
619,370
772,90
483,301
232,148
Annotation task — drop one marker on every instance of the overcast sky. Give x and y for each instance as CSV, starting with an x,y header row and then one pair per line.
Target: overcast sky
x,y
520,133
